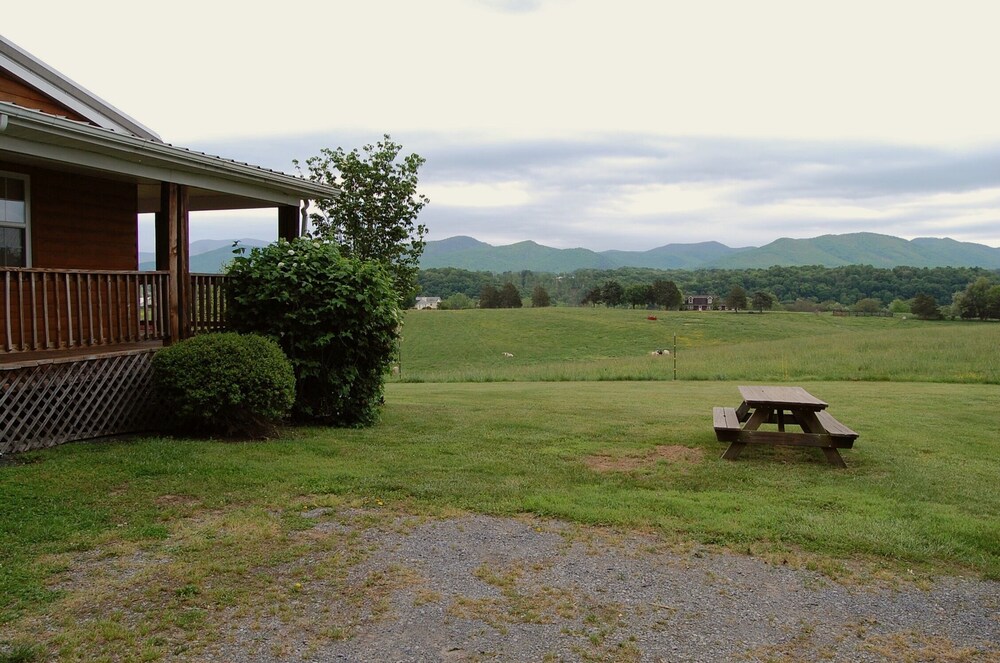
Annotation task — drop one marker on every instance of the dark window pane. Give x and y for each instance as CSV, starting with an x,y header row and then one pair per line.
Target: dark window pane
x,y
12,203
11,247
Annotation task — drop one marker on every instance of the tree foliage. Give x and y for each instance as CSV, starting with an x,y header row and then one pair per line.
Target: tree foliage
x,y
336,318
980,300
374,218
816,287
762,301
540,297
612,293
665,294
510,297
737,298
489,297
925,306
867,305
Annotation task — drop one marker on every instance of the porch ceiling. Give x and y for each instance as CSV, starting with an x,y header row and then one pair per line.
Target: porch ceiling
x,y
214,183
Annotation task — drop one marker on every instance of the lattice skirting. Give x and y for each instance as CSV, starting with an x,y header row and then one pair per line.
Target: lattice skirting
x,y
49,403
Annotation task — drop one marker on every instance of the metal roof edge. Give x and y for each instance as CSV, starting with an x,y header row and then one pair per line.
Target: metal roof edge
x,y
68,92
14,116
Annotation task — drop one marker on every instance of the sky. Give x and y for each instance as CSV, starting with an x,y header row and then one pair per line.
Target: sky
x,y
577,123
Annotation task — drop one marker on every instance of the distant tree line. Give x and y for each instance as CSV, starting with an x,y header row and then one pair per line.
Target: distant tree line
x,y
792,288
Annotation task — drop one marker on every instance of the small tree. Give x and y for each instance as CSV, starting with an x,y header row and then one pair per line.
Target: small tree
x,y
456,302
540,297
925,306
638,294
762,300
867,305
900,306
509,296
489,297
374,218
737,298
335,317
665,294
613,293
593,296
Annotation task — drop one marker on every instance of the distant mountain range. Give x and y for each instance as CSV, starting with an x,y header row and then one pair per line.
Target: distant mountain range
x,y
210,255
829,250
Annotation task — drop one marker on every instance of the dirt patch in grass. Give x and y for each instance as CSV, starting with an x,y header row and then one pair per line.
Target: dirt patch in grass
x,y
674,454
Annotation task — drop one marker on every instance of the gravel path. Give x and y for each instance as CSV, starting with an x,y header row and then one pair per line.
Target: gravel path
x,y
482,588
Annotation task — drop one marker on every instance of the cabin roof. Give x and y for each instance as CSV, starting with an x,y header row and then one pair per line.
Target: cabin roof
x,y
114,144
67,92
35,137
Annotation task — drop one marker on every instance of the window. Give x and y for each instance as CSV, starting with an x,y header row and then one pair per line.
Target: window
x,y
14,238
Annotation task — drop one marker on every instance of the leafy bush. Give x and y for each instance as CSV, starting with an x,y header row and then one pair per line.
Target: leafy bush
x,y
335,317
224,384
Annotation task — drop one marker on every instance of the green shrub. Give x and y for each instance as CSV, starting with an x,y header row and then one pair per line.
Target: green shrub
x,y
335,317
224,384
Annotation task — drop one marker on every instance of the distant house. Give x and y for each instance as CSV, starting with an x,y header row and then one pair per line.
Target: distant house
x,y
79,321
699,303
427,302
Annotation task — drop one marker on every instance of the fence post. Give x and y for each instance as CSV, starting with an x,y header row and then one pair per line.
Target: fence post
x,y
675,357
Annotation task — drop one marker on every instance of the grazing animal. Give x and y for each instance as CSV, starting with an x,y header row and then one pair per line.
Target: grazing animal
x,y
508,355
659,353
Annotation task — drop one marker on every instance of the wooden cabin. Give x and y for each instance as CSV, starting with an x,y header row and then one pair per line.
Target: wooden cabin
x,y
79,322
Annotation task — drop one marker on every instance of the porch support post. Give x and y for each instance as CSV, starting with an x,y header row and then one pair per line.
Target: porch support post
x,y
288,222
172,226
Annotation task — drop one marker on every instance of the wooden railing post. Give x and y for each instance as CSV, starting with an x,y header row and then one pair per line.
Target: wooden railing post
x,y
172,226
51,309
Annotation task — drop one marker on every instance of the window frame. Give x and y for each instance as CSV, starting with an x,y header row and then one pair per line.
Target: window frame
x,y
26,226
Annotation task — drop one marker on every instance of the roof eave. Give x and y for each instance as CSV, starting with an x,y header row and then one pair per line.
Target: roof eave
x,y
68,92
104,149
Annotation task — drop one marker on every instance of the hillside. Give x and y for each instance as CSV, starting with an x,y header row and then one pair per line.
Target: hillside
x,y
208,256
827,251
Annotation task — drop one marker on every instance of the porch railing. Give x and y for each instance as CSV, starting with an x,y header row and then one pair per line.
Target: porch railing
x,y
207,309
61,309
52,309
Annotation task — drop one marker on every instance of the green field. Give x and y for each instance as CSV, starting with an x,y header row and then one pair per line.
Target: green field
x,y
613,344
135,548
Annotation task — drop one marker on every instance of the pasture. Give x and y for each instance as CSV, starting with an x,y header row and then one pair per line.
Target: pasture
x,y
134,545
577,344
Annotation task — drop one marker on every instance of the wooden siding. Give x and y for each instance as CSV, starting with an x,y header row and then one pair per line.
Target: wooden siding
x,y
17,92
81,222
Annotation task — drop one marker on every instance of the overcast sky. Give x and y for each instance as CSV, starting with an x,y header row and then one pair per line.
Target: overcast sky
x,y
606,125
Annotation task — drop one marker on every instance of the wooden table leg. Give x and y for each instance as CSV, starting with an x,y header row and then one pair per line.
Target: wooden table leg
x,y
733,452
759,416
834,457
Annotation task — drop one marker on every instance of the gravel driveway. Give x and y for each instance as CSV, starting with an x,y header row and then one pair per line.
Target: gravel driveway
x,y
477,588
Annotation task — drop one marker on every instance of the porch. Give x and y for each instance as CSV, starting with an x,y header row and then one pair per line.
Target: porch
x,y
77,348
50,313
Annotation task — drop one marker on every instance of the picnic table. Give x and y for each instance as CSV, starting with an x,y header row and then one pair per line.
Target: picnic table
x,y
741,426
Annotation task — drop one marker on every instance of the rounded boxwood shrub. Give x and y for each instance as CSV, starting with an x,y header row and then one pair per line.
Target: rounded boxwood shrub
x,y
229,384
336,318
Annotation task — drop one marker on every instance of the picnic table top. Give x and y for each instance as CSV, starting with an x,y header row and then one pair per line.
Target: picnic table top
x,y
793,398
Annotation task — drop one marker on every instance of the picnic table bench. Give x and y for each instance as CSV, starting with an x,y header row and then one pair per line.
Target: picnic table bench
x,y
741,425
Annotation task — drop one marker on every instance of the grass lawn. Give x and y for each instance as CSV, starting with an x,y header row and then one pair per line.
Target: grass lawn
x,y
118,547
600,344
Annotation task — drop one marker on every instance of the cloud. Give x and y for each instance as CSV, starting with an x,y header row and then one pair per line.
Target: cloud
x,y
512,6
638,191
